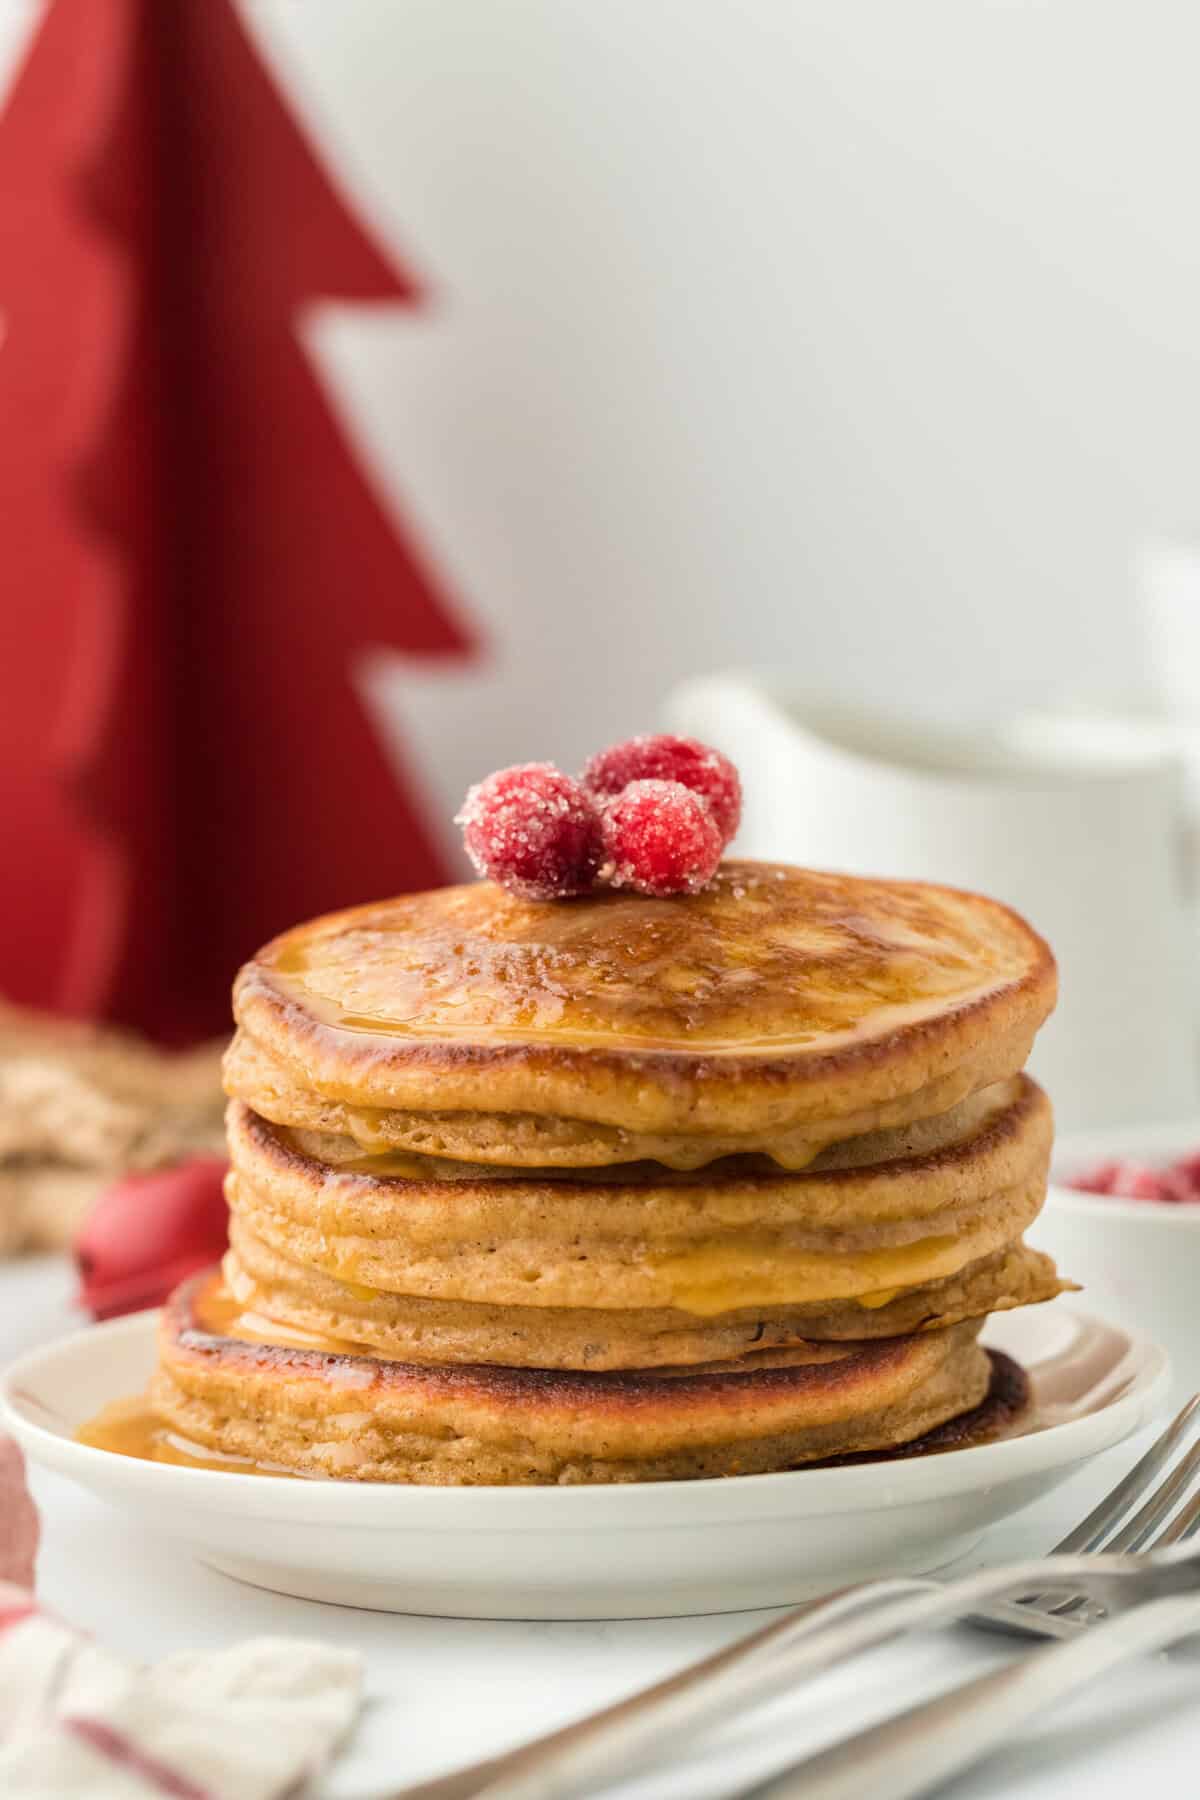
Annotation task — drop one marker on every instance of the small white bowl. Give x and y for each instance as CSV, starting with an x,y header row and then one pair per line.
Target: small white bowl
x,y
1138,1261
643,1550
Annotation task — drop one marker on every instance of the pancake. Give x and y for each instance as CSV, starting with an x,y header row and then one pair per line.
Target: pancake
x,y
778,1011
1004,1411
916,1136
617,1188
274,1299
363,1419
701,1244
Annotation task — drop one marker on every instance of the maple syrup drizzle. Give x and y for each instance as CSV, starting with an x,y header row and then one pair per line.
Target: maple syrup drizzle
x,y
852,959
133,1426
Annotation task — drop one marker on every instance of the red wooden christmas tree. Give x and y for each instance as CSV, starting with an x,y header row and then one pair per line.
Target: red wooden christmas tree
x,y
192,556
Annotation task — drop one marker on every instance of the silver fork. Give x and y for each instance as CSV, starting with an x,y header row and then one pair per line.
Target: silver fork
x,y
1151,1525
917,1750
641,1731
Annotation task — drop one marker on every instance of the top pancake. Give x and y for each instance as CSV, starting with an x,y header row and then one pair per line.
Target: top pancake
x,y
777,999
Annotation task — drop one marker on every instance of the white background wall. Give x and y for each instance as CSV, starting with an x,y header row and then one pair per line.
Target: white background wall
x,y
852,336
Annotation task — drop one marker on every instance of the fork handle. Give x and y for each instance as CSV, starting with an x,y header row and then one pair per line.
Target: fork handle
x,y
646,1723
642,1732
920,1749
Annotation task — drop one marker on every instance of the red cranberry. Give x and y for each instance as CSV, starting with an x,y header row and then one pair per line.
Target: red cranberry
x,y
1187,1171
534,830
661,838
666,758
1096,1180
1135,1181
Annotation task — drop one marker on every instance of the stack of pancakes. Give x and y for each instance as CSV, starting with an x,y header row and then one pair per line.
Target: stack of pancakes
x,y
621,1188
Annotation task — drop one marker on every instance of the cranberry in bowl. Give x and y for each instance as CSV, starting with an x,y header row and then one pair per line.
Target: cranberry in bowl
x,y
1123,1214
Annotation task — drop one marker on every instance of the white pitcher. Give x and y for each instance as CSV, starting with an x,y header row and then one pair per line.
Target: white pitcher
x,y
1082,835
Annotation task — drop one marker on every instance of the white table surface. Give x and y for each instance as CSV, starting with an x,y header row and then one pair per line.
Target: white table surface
x,y
443,1691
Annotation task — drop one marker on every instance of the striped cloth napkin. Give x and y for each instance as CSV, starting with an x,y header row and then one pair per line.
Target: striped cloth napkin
x,y
256,1722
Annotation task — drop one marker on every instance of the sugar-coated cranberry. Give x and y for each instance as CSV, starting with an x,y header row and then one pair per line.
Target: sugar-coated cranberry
x,y
534,830
148,1232
1127,1179
1137,1181
666,758
1174,1186
1187,1171
661,838
1096,1180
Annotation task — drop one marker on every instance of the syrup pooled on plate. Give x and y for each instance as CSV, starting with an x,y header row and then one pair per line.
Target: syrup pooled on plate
x,y
132,1427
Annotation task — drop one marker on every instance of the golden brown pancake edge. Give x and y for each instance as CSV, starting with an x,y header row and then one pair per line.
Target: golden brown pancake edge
x,y
365,1419
844,954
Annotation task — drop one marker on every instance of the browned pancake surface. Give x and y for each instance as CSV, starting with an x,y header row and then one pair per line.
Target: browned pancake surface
x,y
777,995
712,1243
272,1293
366,1419
1004,1411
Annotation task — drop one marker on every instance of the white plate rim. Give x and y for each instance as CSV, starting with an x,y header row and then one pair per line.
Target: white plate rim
x,y
865,1487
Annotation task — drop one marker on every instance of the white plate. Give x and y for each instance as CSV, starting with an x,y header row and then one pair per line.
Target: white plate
x,y
637,1551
